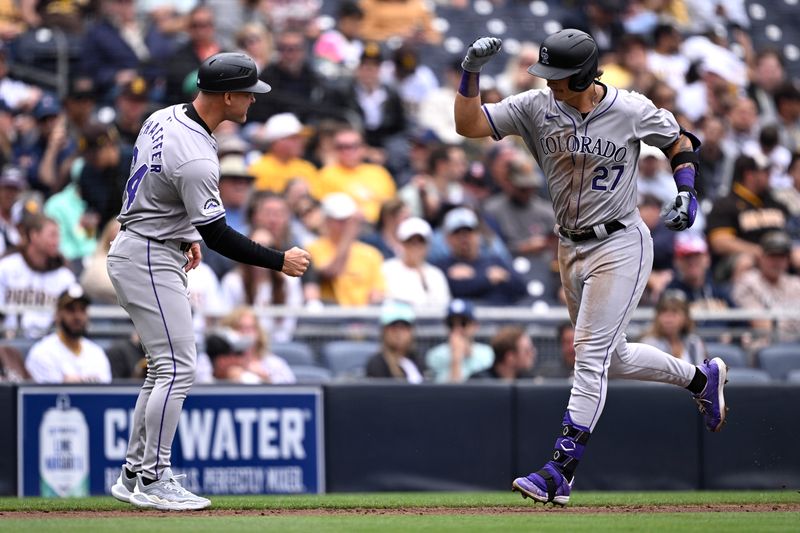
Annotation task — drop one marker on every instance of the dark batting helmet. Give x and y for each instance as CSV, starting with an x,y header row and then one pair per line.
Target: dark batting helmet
x,y
229,72
569,54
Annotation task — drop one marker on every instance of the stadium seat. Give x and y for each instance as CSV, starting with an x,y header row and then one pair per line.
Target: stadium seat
x,y
20,343
733,354
793,376
347,358
779,359
311,374
294,352
739,375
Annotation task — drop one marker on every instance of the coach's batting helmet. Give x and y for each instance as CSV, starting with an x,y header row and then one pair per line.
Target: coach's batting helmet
x,y
229,72
570,54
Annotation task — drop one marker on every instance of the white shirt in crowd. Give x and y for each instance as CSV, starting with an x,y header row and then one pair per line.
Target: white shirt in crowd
x,y
50,361
423,287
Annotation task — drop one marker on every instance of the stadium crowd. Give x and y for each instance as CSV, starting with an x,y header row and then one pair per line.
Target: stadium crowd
x,y
354,156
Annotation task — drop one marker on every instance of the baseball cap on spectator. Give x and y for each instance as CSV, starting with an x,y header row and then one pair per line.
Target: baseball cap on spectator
x,y
523,176
459,218
231,144
234,166
224,341
12,176
776,243
372,52
47,106
423,136
281,126
135,89
81,88
413,226
338,206
97,135
73,293
650,151
393,312
689,244
460,308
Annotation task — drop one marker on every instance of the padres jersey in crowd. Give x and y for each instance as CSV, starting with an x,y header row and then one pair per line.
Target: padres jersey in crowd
x,y
174,179
590,163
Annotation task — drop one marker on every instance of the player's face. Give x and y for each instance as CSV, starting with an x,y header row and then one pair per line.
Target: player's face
x,y
237,106
561,90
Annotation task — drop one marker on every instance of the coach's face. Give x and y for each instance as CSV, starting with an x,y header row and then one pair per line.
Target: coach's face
x,y
236,106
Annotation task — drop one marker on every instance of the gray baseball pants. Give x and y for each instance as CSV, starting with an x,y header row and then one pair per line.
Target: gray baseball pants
x,y
151,286
603,281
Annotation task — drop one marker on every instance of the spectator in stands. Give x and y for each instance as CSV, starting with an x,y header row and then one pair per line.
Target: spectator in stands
x,y
79,104
94,277
654,175
409,278
226,350
33,277
514,355
376,103
472,273
410,20
738,220
15,94
384,237
716,161
206,299
45,152
349,270
67,355
254,40
414,80
296,87
566,343
515,77
665,59
429,195
285,138
117,45
337,51
790,197
127,358
184,61
461,356
12,365
663,249
396,358
787,104
407,156
600,19
259,287
770,286
12,184
368,184
742,124
131,105
672,329
7,134
260,360
304,211
767,76
434,112
779,156
693,276
525,222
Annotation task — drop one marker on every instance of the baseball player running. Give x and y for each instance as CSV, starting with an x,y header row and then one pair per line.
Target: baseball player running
x,y
585,136
171,201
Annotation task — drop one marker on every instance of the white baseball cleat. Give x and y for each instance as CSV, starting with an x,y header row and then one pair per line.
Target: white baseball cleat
x,y
124,487
167,494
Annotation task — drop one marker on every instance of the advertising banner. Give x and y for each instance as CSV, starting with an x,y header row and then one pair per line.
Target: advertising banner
x,y
230,440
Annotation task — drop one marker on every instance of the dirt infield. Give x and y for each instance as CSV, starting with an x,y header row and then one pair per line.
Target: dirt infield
x,y
422,511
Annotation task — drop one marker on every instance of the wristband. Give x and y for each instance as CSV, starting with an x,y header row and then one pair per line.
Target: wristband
x,y
684,177
470,86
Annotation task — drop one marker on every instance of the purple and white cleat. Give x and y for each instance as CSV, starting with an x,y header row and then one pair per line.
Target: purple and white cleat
x,y
546,485
711,402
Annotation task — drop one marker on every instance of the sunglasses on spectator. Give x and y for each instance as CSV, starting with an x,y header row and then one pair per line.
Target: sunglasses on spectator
x,y
348,146
290,47
201,24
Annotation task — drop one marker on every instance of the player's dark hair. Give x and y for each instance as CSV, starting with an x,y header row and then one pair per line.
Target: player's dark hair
x,y
504,341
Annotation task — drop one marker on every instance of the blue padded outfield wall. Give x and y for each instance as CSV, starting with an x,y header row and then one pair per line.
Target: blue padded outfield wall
x,y
381,436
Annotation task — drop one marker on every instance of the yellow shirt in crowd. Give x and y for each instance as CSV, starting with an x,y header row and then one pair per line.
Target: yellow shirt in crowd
x,y
368,184
361,276
272,174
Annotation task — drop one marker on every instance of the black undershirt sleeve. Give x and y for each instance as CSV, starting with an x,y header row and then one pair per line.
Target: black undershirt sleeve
x,y
227,241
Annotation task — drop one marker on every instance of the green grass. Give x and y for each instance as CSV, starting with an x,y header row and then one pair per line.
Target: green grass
x,y
551,520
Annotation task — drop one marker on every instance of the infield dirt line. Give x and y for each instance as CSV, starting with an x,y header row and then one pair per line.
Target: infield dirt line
x,y
371,511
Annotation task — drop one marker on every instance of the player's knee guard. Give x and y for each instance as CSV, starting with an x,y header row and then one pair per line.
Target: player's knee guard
x,y
570,446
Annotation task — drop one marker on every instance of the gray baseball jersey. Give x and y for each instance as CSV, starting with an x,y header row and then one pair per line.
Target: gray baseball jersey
x,y
174,179
173,185
591,169
590,164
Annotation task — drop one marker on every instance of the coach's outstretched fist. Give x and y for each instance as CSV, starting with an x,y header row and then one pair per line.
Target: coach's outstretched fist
x,y
295,262
480,52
